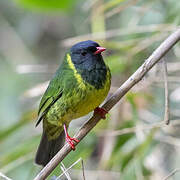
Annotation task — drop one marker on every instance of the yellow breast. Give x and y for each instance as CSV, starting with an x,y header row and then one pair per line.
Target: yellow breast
x,y
85,97
93,98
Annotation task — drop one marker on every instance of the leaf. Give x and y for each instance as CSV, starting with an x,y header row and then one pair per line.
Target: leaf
x,y
19,151
111,4
139,151
131,98
124,138
27,117
47,5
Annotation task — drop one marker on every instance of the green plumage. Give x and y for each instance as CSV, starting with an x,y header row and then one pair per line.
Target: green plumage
x,y
79,86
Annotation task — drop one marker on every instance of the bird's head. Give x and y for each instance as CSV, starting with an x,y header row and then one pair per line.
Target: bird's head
x,y
87,54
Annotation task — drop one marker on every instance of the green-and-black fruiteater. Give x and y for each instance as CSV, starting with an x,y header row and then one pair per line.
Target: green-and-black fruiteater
x,y
79,86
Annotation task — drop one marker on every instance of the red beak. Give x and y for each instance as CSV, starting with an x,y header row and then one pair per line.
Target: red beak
x,y
99,50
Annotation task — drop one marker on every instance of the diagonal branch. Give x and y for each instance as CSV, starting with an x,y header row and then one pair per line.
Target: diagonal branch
x,y
126,86
172,173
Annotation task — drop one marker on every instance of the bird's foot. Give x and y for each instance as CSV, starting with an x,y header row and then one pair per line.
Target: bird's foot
x,y
69,139
101,111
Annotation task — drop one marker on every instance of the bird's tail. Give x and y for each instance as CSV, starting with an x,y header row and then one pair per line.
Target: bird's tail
x,y
48,148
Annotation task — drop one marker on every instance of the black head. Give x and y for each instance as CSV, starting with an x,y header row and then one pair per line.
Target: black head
x,y
87,55
87,59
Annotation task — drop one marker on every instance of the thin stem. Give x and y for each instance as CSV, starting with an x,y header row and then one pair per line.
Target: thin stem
x,y
166,109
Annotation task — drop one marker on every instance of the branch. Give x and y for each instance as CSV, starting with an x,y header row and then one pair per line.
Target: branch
x,y
134,79
171,174
4,176
66,170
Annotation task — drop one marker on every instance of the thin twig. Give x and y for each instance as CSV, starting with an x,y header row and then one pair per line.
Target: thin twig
x,y
126,86
131,130
147,42
171,174
120,32
166,110
3,176
16,163
63,168
169,140
120,8
82,164
98,174
68,168
138,127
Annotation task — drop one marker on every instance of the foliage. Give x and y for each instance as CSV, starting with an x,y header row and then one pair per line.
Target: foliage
x,y
34,35
48,5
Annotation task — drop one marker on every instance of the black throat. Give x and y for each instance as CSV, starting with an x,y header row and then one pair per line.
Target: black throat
x,y
91,67
95,77
93,71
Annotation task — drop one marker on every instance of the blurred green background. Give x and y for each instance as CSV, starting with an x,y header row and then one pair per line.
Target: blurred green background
x,y
34,35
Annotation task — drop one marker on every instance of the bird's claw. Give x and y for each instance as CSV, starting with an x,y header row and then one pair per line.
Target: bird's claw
x,y
101,111
70,140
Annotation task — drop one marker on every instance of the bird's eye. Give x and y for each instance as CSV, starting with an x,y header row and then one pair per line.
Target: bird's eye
x,y
83,53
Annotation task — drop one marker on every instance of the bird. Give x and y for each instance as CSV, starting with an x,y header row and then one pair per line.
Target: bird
x,y
79,86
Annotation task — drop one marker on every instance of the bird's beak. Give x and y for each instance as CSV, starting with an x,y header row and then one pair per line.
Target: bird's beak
x,y
99,50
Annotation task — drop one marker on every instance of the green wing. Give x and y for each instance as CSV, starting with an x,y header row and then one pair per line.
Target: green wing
x,y
52,94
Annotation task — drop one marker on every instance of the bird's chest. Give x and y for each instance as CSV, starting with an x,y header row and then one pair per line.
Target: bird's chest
x,y
89,96
88,100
